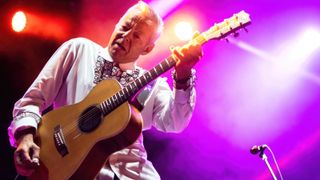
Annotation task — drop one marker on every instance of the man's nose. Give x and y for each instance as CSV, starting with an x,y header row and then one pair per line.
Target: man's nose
x,y
127,35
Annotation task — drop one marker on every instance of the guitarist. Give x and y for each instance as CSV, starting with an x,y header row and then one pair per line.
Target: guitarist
x,y
79,64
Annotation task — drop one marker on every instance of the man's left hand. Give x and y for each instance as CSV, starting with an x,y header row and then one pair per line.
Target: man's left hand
x,y
187,56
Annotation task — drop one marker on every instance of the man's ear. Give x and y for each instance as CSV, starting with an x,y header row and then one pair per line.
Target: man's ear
x,y
148,49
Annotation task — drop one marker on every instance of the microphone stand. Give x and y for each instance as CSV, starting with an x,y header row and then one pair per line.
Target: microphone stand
x,y
263,156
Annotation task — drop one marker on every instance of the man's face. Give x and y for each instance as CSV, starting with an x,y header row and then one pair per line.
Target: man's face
x,y
131,38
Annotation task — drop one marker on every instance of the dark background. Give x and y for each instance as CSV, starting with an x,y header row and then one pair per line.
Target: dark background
x,y
241,99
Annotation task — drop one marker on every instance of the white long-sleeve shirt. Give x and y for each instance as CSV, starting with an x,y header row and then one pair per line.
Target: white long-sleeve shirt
x,y
70,74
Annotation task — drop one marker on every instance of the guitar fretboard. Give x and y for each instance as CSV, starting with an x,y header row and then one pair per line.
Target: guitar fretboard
x,y
133,87
218,31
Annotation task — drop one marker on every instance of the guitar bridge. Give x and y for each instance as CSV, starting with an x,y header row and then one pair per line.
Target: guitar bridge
x,y
59,141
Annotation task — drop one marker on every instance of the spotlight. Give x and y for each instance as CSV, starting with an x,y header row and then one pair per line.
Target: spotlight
x,y
308,43
183,31
297,56
19,21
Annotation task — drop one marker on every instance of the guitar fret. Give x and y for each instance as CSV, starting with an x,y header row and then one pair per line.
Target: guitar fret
x,y
109,103
140,83
118,98
104,107
112,102
153,72
129,89
137,83
142,79
107,107
133,86
114,98
148,76
122,96
158,69
101,106
171,61
164,64
125,90
168,64
161,67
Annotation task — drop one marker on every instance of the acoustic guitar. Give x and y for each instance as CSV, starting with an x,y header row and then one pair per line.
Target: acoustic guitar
x,y
76,140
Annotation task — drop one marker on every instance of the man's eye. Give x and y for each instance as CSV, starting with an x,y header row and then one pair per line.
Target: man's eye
x,y
136,35
124,28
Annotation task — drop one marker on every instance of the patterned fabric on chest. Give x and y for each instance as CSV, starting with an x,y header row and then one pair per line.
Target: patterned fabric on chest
x,y
110,70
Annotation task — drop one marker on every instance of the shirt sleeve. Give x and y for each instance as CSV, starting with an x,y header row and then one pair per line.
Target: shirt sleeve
x,y
40,95
173,109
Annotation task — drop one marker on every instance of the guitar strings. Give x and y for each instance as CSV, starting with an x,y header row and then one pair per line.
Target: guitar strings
x,y
72,127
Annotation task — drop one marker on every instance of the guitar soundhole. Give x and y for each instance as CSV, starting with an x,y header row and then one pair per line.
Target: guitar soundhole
x,y
90,119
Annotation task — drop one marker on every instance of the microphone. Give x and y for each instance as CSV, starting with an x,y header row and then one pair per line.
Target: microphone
x,y
257,149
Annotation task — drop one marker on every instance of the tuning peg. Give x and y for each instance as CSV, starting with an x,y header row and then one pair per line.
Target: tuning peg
x,y
236,34
227,40
245,29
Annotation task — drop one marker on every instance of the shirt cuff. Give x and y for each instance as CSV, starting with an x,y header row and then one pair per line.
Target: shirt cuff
x,y
20,123
189,82
184,96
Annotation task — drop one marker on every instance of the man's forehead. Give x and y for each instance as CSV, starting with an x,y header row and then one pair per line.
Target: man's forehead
x,y
139,19
135,17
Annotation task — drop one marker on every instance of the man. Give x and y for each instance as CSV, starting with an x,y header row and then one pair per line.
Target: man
x,y
79,64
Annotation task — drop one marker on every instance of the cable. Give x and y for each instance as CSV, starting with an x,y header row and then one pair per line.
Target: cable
x,y
275,161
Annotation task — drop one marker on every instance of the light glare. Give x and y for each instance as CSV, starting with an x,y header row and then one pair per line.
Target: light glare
x,y
19,21
183,31
299,51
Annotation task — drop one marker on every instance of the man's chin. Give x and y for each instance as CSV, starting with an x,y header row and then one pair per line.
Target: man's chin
x,y
116,55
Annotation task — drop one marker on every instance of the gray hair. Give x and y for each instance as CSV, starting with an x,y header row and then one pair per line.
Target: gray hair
x,y
149,16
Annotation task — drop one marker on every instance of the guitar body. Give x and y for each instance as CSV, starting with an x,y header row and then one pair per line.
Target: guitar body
x,y
85,152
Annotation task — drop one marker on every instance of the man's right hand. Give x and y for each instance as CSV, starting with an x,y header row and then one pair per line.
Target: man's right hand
x,y
26,156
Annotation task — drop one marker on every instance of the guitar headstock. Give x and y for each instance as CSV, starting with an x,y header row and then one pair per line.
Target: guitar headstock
x,y
228,26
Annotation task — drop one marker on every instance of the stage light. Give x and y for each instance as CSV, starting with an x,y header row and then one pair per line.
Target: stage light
x,y
41,24
293,56
308,43
19,21
183,30
296,56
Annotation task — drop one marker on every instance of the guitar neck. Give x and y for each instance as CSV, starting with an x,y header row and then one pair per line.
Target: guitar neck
x,y
133,87
149,76
217,31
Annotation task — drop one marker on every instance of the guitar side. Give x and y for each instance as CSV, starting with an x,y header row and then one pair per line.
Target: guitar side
x,y
86,151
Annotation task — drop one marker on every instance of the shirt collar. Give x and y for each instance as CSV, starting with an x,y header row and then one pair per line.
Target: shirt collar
x,y
127,67
104,53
